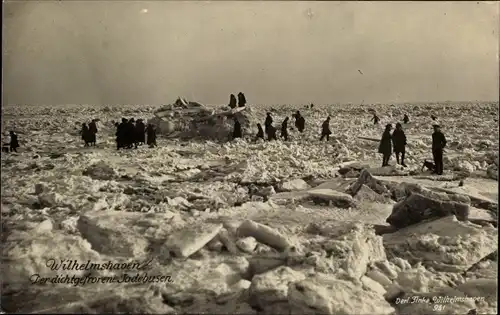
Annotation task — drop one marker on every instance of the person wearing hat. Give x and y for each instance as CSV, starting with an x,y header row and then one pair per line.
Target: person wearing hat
x,y
385,146
268,123
438,145
399,143
325,130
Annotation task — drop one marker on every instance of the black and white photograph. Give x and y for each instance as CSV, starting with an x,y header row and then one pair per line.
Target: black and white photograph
x,y
249,157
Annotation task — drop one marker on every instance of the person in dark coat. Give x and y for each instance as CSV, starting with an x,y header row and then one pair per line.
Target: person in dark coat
x,y
93,132
151,135
260,132
121,134
312,105
385,146
325,130
85,132
399,143
406,119
268,123
237,129
242,101
232,101
284,129
271,133
438,145
14,142
140,132
130,139
300,122
375,119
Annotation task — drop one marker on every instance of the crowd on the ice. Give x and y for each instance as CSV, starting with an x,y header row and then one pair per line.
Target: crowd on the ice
x,y
131,134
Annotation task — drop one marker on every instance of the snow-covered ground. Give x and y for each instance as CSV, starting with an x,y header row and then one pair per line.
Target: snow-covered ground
x,y
245,227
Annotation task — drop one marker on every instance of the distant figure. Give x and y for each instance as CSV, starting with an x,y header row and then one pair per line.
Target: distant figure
x,y
232,101
268,123
375,119
121,134
130,134
325,130
260,132
312,105
14,142
140,132
242,101
151,135
284,129
385,146
237,129
85,133
399,143
271,133
299,122
406,119
438,145
93,132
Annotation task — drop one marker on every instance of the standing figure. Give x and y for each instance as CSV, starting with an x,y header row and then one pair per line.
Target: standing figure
x,y
406,119
375,119
284,129
121,134
14,142
385,146
237,129
271,133
312,105
260,132
92,132
268,123
399,143
299,122
438,145
242,101
85,133
151,136
325,130
130,134
140,132
232,101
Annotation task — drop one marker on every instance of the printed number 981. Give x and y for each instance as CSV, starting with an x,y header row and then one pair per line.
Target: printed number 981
x,y
438,307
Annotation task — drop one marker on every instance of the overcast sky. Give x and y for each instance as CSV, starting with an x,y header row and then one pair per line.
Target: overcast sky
x,y
116,52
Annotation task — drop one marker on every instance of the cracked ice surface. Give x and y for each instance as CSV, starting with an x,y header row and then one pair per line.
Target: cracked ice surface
x,y
238,226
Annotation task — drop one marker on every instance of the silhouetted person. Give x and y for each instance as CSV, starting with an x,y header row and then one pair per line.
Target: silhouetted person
x,y
151,135
121,134
268,123
14,142
271,133
385,146
92,132
375,119
130,134
260,132
312,105
406,119
284,129
438,145
232,101
85,132
399,143
325,130
242,101
140,132
237,129
300,122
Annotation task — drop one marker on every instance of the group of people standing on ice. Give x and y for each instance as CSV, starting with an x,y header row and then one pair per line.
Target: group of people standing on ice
x,y
89,133
131,134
